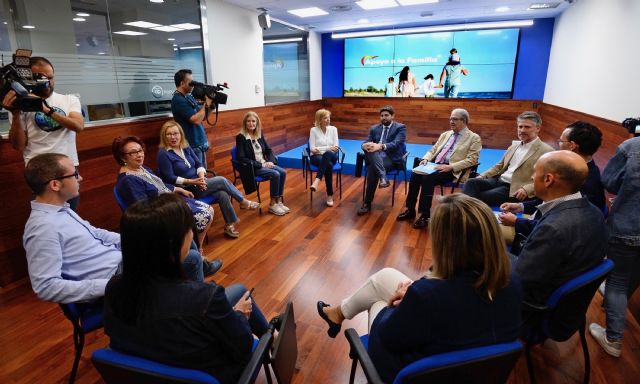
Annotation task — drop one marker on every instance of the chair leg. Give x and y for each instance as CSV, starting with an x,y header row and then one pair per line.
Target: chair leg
x,y
585,352
267,372
259,199
405,182
530,368
78,343
364,187
393,191
340,182
352,376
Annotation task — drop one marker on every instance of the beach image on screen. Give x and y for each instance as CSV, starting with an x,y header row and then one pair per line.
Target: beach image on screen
x,y
487,56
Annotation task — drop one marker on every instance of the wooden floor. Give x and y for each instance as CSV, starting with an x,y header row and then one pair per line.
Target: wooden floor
x,y
313,253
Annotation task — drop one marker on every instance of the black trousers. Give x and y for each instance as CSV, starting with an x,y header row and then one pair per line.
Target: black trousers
x,y
424,185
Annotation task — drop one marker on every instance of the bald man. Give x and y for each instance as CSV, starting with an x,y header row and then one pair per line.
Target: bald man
x,y
570,236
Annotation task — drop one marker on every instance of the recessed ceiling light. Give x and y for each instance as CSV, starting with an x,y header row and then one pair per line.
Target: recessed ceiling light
x,y
157,1
376,4
79,19
171,39
276,41
100,53
77,45
502,9
166,28
187,26
131,33
543,5
4,22
363,21
175,49
416,2
308,12
175,45
28,27
194,47
82,14
142,24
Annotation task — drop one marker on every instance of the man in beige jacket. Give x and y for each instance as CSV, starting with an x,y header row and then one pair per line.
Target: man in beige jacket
x,y
455,151
510,179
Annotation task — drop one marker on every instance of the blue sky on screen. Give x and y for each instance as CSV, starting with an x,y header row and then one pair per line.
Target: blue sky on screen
x,y
489,55
280,66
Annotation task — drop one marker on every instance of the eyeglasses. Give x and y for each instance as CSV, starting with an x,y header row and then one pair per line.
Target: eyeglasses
x,y
563,141
135,152
41,75
172,134
75,174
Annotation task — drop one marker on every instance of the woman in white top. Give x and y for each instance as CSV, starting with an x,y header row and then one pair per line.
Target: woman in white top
x,y
323,144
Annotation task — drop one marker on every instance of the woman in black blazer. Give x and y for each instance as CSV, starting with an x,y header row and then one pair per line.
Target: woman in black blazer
x,y
252,148
469,298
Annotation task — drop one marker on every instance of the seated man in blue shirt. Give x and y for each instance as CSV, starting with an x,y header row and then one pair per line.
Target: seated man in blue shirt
x,y
70,260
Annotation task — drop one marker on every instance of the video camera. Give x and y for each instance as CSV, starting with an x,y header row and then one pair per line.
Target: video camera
x,y
214,92
632,125
18,77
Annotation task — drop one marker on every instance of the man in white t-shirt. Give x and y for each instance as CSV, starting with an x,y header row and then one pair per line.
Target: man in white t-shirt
x,y
51,131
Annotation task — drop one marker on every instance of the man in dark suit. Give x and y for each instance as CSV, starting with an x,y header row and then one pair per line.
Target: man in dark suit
x,y
570,236
383,151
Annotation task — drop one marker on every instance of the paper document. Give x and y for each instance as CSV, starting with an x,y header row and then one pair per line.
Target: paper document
x,y
425,169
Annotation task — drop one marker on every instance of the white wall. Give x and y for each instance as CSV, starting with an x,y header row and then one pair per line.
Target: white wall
x,y
594,65
235,46
315,65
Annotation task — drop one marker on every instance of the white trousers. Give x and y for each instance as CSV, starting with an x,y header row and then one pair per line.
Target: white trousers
x,y
374,294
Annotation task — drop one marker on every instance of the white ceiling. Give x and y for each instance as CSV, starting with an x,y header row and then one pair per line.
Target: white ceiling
x,y
444,12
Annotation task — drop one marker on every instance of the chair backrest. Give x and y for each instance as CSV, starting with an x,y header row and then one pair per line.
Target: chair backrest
x,y
488,364
568,304
119,200
234,153
116,367
285,348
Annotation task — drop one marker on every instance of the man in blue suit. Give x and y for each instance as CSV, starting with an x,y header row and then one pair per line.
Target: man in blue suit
x,y
383,151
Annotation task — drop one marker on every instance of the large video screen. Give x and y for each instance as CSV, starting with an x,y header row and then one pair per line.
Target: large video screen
x,y
488,58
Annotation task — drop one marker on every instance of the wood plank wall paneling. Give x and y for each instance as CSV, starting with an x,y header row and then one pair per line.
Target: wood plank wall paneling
x,y
426,119
555,119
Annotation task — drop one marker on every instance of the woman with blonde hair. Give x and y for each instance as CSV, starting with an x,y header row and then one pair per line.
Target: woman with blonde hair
x,y
179,165
252,148
324,147
469,297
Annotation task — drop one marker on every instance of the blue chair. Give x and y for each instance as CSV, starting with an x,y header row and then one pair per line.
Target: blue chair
x,y
393,172
121,203
308,169
488,364
85,317
563,314
117,367
239,168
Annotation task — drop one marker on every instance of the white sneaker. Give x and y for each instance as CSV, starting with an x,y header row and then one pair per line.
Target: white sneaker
x,y
276,210
284,208
599,333
329,201
601,288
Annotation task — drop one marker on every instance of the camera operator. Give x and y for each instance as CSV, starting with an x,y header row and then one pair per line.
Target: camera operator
x,y
189,114
53,130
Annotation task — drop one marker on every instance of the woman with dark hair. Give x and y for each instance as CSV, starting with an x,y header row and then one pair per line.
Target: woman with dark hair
x,y
137,182
179,165
469,298
252,148
152,311
407,82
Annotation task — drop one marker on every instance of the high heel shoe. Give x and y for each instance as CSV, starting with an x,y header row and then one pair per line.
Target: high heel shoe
x,y
334,328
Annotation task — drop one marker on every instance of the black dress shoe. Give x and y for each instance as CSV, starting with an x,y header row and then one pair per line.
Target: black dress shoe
x,y
421,222
406,215
334,328
211,267
384,183
364,209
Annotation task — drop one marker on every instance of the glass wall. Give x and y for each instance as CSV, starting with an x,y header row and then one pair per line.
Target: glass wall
x,y
117,56
286,64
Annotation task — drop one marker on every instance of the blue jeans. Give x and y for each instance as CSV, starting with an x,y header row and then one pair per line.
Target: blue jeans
x,y
258,323
325,164
620,285
451,91
201,152
276,176
192,265
223,190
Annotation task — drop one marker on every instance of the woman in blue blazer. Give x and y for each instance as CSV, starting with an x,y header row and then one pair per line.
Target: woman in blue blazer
x,y
179,165
468,298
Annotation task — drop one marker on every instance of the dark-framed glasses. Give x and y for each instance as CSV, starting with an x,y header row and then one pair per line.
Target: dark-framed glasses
x,y
75,174
135,152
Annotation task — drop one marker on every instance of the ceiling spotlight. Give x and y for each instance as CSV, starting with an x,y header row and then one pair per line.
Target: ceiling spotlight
x,y
79,19
543,5
157,1
83,14
171,39
28,27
